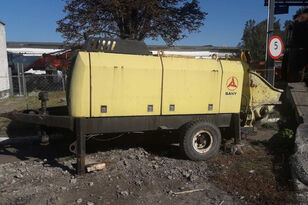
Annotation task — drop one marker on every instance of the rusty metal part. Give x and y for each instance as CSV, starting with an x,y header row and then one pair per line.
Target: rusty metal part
x,y
81,144
202,141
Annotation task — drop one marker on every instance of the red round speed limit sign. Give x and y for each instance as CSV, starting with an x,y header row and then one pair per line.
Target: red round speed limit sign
x,y
275,47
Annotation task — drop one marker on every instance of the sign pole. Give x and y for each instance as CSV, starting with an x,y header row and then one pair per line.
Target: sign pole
x,y
269,63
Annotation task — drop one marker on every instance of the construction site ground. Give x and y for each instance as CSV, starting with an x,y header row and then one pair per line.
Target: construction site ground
x,y
148,168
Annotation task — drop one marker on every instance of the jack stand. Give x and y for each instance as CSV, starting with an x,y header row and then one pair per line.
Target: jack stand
x,y
43,97
80,145
44,137
236,148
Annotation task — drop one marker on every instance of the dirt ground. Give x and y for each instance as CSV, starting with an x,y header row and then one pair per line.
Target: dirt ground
x,y
148,169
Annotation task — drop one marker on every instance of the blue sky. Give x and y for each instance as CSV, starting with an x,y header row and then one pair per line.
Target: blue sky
x,y
35,20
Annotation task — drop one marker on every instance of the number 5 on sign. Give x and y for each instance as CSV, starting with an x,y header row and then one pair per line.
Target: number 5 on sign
x,y
275,47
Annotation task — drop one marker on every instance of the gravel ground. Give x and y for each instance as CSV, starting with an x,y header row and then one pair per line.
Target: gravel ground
x,y
146,169
132,176
303,157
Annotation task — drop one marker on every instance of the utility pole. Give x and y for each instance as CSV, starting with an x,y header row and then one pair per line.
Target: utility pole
x,y
269,62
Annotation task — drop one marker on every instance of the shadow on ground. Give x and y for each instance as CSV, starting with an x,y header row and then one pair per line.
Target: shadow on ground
x,y
158,143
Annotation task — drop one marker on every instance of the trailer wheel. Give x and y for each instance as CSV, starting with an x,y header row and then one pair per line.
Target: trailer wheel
x,y
200,140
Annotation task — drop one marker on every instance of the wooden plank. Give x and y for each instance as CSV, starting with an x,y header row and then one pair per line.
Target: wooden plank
x,y
95,167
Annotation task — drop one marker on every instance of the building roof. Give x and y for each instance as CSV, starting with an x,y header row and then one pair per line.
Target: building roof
x,y
1,22
51,45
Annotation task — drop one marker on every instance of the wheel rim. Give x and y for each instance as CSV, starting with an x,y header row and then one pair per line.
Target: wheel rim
x,y
202,141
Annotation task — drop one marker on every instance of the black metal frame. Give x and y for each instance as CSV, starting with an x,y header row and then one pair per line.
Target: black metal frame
x,y
86,126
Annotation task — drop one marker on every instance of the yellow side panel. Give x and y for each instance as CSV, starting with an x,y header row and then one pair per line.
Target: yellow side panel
x,y
231,86
261,91
79,98
125,85
191,86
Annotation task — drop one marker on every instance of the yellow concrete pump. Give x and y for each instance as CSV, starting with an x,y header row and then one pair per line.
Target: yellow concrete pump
x,y
114,89
109,85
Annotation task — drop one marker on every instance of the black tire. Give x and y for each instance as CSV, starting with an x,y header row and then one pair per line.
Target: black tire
x,y
196,131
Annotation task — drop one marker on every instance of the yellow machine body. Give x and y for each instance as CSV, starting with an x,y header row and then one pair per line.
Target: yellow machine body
x,y
259,96
108,85
79,94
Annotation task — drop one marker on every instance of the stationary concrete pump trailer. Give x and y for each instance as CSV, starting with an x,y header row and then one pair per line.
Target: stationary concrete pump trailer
x,y
110,91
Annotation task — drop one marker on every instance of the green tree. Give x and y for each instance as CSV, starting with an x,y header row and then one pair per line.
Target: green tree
x,y
171,20
254,38
287,24
299,12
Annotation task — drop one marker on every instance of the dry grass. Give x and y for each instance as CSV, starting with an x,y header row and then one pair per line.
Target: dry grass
x,y
32,102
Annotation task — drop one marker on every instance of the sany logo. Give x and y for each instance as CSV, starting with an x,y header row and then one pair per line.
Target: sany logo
x,y
232,83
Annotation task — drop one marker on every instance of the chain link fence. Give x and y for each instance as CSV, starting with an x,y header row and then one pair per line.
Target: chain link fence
x,y
27,83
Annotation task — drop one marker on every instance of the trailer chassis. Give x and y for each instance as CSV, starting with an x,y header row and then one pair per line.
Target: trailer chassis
x,y
83,127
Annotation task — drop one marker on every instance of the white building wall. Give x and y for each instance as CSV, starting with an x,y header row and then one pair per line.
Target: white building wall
x,y
4,72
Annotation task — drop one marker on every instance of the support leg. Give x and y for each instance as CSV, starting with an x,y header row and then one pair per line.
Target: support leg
x,y
44,136
237,128
81,146
236,148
